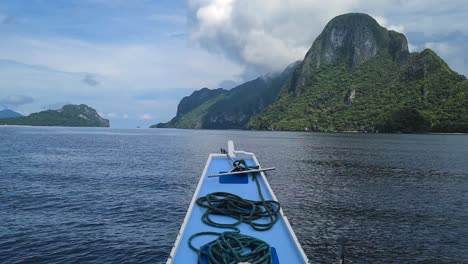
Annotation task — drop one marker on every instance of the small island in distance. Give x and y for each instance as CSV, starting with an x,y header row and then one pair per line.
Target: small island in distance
x,y
357,76
69,115
8,113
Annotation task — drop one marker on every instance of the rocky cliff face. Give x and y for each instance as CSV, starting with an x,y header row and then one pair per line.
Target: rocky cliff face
x,y
82,115
422,64
352,40
197,98
360,76
193,108
245,101
357,76
229,109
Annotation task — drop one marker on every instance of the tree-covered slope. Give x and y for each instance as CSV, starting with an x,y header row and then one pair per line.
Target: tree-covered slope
x,y
69,115
360,76
357,76
229,109
193,108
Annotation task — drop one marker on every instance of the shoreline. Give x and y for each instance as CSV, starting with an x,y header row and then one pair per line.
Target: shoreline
x,y
4,125
300,131
303,131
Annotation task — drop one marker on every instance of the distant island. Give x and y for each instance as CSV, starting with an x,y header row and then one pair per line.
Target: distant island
x,y
8,113
69,115
357,76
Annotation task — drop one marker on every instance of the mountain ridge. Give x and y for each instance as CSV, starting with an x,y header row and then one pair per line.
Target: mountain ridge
x,y
8,113
228,109
357,76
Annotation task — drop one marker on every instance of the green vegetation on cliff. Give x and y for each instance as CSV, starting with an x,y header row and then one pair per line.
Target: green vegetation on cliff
x,y
193,118
228,109
357,76
69,115
378,96
193,108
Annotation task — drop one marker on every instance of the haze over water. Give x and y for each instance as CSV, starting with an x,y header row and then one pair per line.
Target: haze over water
x,y
94,195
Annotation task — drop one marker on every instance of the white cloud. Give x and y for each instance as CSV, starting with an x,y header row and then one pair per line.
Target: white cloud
x,y
384,23
146,117
269,34
428,16
58,70
45,83
441,47
216,13
266,35
412,48
112,115
452,52
134,66
52,89
16,100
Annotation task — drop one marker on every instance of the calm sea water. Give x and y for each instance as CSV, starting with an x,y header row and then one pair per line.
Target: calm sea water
x,y
94,195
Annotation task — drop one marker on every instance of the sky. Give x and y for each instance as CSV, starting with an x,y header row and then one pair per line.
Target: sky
x,y
133,61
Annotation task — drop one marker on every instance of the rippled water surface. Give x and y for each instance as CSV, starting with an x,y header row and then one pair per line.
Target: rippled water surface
x,y
93,195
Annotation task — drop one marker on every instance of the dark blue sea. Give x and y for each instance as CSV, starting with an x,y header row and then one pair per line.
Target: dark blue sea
x,y
96,195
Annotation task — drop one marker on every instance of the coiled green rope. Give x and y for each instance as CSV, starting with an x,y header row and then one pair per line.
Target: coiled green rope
x,y
233,247
243,210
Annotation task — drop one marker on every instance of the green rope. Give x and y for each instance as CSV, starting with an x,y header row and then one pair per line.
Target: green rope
x,y
233,247
243,210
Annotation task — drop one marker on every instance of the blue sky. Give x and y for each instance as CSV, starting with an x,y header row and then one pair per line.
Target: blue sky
x,y
134,60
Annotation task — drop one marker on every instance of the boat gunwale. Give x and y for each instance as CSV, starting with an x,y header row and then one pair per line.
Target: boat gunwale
x,y
197,190
190,209
286,221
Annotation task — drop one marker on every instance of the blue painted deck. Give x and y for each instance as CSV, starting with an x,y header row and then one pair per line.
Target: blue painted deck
x,y
278,237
